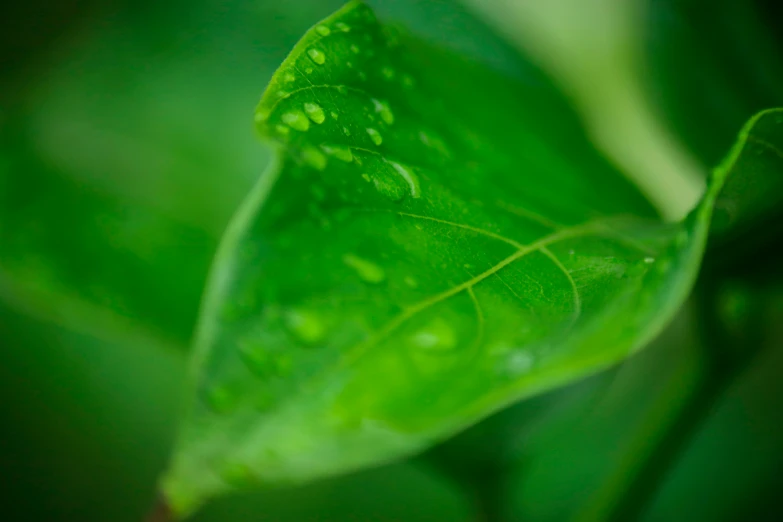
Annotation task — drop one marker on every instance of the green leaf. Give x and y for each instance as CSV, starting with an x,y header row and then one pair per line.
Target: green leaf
x,y
436,242
754,195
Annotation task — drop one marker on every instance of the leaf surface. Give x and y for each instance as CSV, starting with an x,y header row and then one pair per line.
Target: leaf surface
x,y
435,242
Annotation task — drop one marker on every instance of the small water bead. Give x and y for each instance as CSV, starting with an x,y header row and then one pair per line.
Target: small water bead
x,y
411,282
341,26
304,325
387,186
375,136
282,129
346,131
323,30
314,157
368,271
296,120
409,176
355,49
342,89
315,112
649,260
437,336
388,73
309,70
334,115
384,110
349,65
341,152
288,77
519,362
316,56
282,94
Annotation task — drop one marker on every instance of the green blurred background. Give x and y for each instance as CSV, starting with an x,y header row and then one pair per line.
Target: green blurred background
x,y
126,142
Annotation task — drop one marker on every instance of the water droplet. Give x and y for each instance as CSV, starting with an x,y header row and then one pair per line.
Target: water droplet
x,y
342,89
342,27
386,186
334,115
384,110
296,120
349,65
411,282
355,49
341,152
309,70
367,270
519,362
375,136
317,56
387,73
323,30
288,77
221,399
282,129
304,325
314,112
281,93
437,336
314,157
649,260
409,176
346,131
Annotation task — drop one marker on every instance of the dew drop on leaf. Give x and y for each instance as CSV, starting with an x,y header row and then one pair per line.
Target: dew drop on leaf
x,y
383,109
387,73
409,176
436,336
282,129
296,120
314,112
375,136
366,270
342,26
304,325
649,260
411,282
288,77
317,56
314,157
341,152
323,30
355,49
518,363
346,131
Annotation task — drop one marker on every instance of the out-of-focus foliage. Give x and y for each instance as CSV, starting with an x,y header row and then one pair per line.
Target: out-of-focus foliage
x,y
126,143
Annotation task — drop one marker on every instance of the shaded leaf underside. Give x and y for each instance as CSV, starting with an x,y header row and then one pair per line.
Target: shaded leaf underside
x,y
435,242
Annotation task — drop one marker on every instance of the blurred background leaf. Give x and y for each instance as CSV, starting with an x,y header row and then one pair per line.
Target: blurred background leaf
x,y
126,142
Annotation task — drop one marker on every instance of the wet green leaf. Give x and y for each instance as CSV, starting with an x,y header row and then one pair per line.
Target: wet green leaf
x,y
435,242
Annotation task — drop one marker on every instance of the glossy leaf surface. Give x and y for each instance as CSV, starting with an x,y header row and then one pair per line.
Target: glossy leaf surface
x,y
435,242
